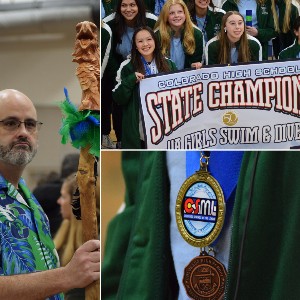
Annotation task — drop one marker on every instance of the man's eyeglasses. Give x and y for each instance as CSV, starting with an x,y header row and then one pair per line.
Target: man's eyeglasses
x,y
31,126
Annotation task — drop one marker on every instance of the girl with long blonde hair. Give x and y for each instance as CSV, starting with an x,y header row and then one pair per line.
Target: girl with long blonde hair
x,y
232,45
285,14
179,38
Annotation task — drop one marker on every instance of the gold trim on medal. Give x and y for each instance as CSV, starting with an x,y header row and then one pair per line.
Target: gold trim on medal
x,y
200,209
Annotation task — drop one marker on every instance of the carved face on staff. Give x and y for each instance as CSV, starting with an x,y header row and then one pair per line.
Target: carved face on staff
x,y
86,39
87,55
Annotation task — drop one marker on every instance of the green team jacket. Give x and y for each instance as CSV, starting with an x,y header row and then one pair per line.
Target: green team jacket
x,y
197,56
137,262
106,41
213,21
291,51
265,237
212,50
126,93
110,5
287,38
266,30
116,59
264,260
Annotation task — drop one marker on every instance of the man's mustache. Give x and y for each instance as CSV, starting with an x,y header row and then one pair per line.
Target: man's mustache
x,y
22,140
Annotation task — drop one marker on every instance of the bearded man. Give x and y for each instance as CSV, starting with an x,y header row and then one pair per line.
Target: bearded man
x,y
26,247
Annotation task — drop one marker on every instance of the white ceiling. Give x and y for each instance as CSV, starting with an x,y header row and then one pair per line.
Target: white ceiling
x,y
43,19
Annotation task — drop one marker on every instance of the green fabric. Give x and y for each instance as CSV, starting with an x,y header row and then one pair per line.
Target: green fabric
x,y
213,25
213,51
197,56
265,241
82,127
25,241
150,5
106,41
47,243
291,51
287,38
266,30
137,264
117,59
105,37
109,6
264,260
126,93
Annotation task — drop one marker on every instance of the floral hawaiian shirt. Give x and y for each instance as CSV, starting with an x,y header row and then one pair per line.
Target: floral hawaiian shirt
x,y
26,245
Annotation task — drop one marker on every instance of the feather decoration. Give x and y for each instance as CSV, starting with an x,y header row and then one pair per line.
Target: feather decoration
x,y
83,127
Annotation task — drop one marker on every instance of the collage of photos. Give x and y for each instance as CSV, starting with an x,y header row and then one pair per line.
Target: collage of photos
x,y
50,149
167,170
200,139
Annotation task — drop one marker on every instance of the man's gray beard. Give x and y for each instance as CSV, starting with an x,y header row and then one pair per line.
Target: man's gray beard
x,y
16,156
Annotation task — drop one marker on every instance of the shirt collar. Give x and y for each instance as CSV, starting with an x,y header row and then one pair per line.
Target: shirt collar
x,y
11,190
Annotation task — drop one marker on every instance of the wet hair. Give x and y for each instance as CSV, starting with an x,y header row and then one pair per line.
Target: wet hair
x,y
140,19
225,44
160,61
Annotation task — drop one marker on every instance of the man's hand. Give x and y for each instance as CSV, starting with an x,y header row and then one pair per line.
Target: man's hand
x,y
84,267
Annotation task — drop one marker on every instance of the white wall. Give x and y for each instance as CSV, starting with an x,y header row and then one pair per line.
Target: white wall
x,y
41,67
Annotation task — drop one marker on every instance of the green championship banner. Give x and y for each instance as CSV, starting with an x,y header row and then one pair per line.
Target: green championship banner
x,y
248,106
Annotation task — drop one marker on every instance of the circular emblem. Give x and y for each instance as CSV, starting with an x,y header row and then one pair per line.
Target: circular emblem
x,y
204,278
230,118
200,209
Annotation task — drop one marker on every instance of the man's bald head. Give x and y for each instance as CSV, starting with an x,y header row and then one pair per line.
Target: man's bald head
x,y
15,100
12,94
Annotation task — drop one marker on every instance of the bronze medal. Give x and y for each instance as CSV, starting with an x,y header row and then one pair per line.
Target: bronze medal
x,y
204,278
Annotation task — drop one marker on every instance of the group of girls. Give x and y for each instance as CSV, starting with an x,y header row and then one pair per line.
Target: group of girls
x,y
186,34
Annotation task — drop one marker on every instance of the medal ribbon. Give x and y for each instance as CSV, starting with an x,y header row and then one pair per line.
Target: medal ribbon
x,y
146,66
224,166
204,25
221,163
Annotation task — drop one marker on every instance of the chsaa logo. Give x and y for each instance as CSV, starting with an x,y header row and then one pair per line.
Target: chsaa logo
x,y
230,118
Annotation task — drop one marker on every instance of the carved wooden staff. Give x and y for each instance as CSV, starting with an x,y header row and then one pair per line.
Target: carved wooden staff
x,y
87,55
83,125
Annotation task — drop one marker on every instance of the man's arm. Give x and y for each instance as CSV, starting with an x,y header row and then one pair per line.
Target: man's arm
x,y
83,269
